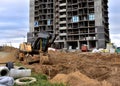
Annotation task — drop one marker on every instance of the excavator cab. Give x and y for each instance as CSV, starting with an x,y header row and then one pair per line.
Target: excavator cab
x,y
40,44
43,41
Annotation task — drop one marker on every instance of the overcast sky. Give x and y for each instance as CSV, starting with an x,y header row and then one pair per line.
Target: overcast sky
x,y
14,21
114,21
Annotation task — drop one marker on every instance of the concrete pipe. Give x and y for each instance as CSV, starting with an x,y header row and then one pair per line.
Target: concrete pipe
x,y
4,71
17,73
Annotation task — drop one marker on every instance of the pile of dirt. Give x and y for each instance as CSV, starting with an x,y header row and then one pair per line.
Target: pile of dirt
x,y
8,49
77,79
98,66
8,54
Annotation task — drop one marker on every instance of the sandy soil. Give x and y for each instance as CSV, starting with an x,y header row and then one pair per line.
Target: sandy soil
x,y
8,54
100,66
93,69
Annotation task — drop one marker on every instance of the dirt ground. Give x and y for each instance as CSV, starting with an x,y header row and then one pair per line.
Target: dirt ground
x,y
97,66
8,54
80,69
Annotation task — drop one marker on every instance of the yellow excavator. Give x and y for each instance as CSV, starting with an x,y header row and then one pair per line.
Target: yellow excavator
x,y
37,49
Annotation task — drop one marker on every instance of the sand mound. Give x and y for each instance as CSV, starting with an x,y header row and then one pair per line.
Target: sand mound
x,y
77,79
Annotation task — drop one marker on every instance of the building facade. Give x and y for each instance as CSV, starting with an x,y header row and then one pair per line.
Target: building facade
x,y
77,22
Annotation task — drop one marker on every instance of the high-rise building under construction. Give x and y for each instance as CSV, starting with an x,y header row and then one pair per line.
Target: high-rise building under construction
x,y
77,22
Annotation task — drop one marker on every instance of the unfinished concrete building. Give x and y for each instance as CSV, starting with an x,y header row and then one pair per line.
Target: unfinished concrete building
x,y
78,22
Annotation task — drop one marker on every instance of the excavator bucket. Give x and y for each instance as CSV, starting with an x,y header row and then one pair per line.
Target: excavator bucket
x,y
44,58
26,47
